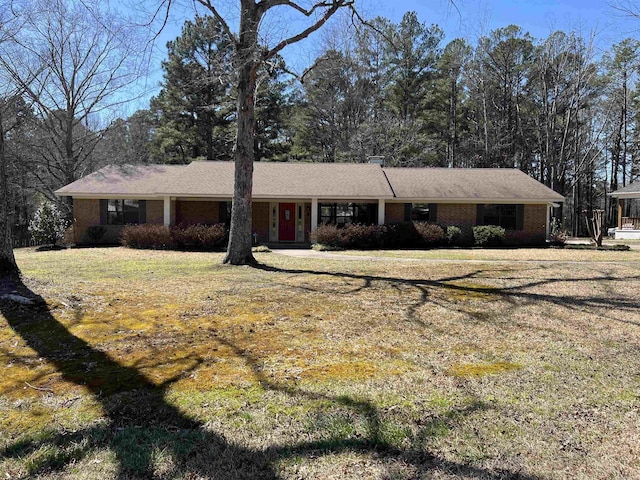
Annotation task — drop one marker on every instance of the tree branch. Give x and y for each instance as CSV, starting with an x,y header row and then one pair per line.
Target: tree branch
x,y
267,4
333,8
223,23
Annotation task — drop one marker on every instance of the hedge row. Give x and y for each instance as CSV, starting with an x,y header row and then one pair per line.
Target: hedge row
x,y
191,237
420,235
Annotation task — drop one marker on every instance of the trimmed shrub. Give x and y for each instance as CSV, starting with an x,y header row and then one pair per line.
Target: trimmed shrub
x,y
402,235
488,235
327,235
399,235
200,237
147,235
460,235
190,237
350,236
95,233
453,234
430,234
356,235
48,225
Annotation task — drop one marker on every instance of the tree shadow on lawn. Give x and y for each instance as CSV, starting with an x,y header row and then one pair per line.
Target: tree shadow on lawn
x,y
514,296
139,422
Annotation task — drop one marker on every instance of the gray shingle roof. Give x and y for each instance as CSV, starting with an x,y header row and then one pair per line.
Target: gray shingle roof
x,y
314,180
123,180
468,184
631,191
285,180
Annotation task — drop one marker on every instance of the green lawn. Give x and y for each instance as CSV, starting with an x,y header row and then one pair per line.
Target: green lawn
x,y
139,364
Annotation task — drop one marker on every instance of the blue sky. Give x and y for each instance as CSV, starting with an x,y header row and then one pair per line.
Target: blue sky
x,y
468,19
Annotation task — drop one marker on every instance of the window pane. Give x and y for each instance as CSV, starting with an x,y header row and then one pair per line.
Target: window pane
x,y
504,216
420,211
114,218
131,217
130,205
508,223
114,205
508,210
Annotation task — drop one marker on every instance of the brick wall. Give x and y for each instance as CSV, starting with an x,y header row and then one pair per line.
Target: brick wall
x,y
393,213
457,213
191,213
155,211
535,219
86,214
260,220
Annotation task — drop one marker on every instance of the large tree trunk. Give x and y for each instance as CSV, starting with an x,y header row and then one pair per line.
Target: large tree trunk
x,y
239,251
8,264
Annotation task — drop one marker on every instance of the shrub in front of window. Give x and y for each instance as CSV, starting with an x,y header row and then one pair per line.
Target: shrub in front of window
x,y
350,236
356,235
488,235
200,237
402,235
152,236
48,225
96,232
460,235
431,235
328,235
454,235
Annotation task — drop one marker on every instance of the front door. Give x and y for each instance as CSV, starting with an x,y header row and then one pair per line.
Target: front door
x,y
287,222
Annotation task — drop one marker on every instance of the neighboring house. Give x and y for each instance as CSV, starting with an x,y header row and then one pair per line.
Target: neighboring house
x,y
291,199
628,228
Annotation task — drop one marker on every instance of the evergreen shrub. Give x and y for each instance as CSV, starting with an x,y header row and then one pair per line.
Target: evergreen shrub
x,y
48,225
488,235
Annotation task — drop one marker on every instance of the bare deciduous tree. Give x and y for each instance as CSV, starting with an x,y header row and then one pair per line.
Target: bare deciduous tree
x,y
73,64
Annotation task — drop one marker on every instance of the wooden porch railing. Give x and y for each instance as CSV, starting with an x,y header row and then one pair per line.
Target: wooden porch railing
x,y
635,221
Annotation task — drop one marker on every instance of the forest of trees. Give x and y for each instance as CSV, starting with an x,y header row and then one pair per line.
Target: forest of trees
x,y
551,107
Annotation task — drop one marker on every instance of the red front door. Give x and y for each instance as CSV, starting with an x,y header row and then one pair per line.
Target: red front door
x,y
287,222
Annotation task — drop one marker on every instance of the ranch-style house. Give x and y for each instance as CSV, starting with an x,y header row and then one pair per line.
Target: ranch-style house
x,y
291,199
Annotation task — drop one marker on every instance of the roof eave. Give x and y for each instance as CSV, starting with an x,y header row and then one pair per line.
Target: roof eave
x,y
467,200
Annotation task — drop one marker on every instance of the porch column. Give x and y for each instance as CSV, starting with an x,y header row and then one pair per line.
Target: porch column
x,y
620,212
167,211
548,231
381,211
314,214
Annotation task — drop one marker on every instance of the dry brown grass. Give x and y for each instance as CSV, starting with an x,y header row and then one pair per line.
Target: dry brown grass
x,y
170,365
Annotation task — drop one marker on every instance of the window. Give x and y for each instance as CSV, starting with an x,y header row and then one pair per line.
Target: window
x,y
123,212
423,212
343,213
508,217
225,213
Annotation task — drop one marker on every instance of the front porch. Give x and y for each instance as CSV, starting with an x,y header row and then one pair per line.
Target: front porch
x,y
628,227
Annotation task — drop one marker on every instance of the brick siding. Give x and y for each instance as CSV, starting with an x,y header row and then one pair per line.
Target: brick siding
x,y
457,213
260,220
393,213
191,213
86,214
535,219
155,211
